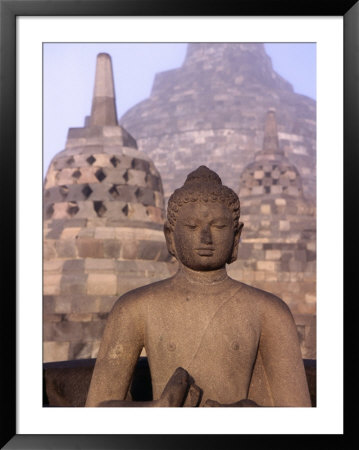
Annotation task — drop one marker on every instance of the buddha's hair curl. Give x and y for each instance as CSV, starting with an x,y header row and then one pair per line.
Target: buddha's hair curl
x,y
206,186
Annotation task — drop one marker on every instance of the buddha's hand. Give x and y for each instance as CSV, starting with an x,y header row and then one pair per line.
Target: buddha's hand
x,y
242,403
180,391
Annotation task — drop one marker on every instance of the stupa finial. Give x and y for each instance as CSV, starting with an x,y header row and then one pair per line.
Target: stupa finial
x,y
103,110
270,140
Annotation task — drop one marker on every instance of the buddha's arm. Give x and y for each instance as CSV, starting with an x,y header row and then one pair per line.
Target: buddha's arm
x,y
121,344
281,356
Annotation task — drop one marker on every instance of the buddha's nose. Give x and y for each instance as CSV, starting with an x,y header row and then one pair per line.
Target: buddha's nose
x,y
206,236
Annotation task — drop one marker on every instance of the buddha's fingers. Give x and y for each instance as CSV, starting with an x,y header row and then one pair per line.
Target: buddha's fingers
x,y
194,396
176,389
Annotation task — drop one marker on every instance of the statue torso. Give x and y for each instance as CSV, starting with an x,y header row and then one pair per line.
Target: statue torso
x,y
211,330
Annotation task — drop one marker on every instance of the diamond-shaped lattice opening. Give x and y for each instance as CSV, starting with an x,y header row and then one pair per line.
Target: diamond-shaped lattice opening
x,y
139,193
140,164
114,161
91,159
100,175
49,211
70,161
64,190
87,191
76,174
125,176
100,208
114,192
125,210
72,209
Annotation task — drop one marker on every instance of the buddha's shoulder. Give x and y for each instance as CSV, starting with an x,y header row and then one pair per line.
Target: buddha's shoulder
x,y
258,297
142,295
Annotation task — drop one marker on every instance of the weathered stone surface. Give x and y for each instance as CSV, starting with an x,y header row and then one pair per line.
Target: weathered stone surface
x,y
112,248
61,331
73,283
129,250
79,317
53,266
51,284
48,304
66,248
89,247
149,250
56,351
82,304
100,265
79,350
101,284
73,265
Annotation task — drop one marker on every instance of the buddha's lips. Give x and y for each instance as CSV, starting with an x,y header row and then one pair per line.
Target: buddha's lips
x,y
205,251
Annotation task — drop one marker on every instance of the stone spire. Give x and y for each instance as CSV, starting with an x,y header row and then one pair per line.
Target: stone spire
x,y
271,172
270,140
103,110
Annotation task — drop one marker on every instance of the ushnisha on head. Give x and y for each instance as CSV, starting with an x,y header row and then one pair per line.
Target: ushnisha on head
x,y
203,229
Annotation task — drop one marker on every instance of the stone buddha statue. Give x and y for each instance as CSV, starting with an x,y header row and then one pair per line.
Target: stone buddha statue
x,y
210,340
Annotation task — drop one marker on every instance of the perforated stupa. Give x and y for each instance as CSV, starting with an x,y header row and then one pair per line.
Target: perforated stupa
x,y
103,226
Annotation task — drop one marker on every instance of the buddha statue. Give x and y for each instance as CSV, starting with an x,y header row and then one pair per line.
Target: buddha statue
x,y
210,340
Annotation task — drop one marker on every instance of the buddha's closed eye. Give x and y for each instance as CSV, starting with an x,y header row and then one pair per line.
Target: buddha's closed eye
x,y
191,226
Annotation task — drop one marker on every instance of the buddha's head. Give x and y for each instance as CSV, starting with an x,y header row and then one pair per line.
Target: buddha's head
x,y
202,228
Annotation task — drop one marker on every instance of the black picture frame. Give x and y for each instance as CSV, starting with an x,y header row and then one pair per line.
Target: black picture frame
x,y
9,10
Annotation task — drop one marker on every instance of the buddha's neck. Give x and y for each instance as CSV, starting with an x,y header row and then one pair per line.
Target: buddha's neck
x,y
203,277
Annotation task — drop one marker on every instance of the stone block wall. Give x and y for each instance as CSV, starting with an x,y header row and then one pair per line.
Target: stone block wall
x,y
277,251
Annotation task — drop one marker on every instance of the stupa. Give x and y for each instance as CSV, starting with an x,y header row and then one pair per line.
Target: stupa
x,y
278,248
102,229
210,111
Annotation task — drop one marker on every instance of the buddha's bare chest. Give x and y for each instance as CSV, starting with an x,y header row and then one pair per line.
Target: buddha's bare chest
x,y
205,334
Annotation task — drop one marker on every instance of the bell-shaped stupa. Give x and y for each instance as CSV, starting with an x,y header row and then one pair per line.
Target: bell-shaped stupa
x,y
103,226
278,247
271,172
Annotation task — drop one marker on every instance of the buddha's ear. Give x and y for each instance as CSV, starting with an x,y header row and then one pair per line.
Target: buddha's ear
x,y
169,239
237,236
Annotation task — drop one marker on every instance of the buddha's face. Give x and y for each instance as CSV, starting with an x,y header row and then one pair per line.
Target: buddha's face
x,y
204,237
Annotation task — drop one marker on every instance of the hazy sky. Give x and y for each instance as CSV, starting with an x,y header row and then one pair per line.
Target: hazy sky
x,y
69,73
